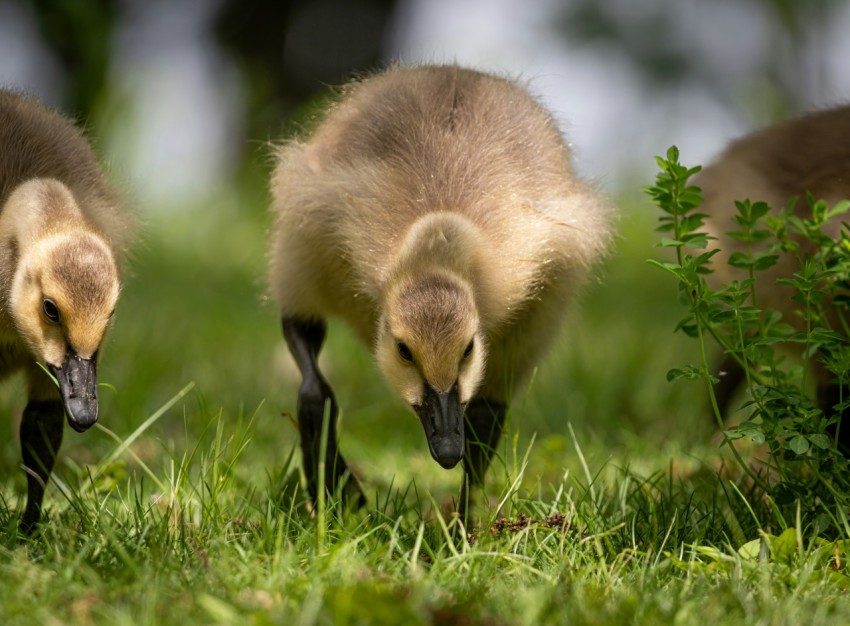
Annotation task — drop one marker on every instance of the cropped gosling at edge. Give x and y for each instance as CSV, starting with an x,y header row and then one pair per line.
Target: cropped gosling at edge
x,y
435,211
61,231
775,164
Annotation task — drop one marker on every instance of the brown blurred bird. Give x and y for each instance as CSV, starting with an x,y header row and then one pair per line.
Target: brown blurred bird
x,y
773,165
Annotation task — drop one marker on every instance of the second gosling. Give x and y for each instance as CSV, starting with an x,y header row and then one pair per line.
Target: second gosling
x,y
434,210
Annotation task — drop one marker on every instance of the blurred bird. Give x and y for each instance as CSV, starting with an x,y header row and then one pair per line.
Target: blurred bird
x,y
809,154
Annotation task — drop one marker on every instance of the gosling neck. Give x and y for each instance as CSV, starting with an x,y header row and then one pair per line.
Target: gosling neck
x,y
37,209
441,243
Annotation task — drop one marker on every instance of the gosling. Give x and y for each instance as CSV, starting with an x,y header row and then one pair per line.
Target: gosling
x,y
435,210
773,165
61,231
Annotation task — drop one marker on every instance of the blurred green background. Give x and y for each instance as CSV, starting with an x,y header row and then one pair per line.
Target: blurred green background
x,y
182,100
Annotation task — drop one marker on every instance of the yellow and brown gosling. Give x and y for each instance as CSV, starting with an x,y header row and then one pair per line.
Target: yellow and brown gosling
x,y
435,210
62,231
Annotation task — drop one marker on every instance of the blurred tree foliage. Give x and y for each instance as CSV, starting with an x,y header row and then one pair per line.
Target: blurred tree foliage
x,y
79,32
644,37
290,51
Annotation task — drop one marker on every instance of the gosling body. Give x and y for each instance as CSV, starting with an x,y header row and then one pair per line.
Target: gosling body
x,y
434,210
62,232
809,154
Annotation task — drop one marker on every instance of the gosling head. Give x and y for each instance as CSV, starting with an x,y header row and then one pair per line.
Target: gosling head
x,y
63,295
431,350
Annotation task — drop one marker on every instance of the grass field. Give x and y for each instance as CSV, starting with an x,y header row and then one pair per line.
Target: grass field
x,y
608,501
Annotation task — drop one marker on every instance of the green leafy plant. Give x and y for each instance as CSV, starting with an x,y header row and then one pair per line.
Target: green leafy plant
x,y
785,554
805,469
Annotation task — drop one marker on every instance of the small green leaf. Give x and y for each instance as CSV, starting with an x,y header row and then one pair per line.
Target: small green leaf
x,y
821,440
740,260
666,242
751,550
688,372
783,549
763,261
697,241
799,444
672,155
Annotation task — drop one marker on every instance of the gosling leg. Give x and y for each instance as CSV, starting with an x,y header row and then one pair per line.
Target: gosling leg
x,y
484,421
41,435
828,396
305,338
732,376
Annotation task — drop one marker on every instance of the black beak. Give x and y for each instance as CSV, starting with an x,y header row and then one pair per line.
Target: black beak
x,y
441,415
78,388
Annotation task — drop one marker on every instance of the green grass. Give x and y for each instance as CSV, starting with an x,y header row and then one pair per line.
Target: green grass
x,y
193,514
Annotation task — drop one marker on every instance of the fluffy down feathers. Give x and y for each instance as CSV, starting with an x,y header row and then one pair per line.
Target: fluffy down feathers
x,y
436,169
807,154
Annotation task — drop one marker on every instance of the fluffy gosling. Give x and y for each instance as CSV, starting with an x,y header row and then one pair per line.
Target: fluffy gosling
x,y
61,229
434,210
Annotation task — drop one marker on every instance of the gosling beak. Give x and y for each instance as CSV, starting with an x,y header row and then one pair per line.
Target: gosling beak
x,y
441,415
78,388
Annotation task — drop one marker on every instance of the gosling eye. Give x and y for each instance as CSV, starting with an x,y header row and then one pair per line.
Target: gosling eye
x,y
50,310
404,352
468,350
